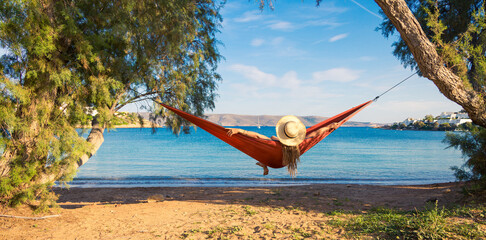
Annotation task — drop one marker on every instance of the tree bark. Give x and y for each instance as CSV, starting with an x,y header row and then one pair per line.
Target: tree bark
x,y
430,63
5,162
95,137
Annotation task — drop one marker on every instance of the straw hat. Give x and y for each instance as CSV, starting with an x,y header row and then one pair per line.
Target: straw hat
x,y
290,130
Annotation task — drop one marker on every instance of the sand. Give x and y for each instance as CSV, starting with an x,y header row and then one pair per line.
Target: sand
x,y
214,212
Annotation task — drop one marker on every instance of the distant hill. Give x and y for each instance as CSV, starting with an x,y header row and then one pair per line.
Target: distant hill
x,y
266,120
271,120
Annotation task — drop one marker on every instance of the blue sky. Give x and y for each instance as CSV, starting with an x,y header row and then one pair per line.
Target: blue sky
x,y
301,59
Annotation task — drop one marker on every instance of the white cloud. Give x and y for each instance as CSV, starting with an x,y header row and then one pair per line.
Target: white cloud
x,y
281,25
328,22
256,42
245,90
337,75
289,80
249,16
338,37
320,41
367,58
277,40
255,74
269,91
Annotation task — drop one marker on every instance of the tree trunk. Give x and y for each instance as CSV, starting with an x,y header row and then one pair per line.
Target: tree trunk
x,y
5,162
430,63
95,137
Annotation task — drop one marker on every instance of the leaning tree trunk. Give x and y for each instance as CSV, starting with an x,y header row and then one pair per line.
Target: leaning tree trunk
x,y
430,63
95,137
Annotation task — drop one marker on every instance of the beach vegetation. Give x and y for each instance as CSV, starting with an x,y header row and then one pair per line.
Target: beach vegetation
x,y
235,229
338,212
337,202
219,232
76,63
431,223
299,233
215,230
473,147
269,226
249,211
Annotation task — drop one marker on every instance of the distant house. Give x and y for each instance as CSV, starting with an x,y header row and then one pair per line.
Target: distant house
x,y
462,116
454,121
409,121
453,118
446,115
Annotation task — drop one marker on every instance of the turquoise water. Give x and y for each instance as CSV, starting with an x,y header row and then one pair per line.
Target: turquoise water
x,y
136,157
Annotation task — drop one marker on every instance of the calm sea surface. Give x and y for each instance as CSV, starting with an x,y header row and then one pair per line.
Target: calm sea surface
x,y
136,157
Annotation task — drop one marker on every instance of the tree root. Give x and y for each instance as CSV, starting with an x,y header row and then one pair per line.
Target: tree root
x,y
30,218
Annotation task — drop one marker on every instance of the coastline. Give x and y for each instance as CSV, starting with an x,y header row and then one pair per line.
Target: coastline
x,y
200,212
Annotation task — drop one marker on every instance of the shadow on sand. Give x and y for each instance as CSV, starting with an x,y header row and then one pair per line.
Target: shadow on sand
x,y
319,197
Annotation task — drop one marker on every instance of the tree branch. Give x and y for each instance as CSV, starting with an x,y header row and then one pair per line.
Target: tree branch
x,y
429,61
135,99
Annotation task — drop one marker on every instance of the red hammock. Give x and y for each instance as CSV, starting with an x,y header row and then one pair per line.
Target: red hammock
x,y
268,152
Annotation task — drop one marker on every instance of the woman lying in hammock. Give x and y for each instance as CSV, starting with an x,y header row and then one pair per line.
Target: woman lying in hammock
x,y
290,133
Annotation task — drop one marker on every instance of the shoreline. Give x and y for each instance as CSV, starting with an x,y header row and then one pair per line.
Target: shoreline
x,y
246,183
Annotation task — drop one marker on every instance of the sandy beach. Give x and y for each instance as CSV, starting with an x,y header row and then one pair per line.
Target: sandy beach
x,y
214,212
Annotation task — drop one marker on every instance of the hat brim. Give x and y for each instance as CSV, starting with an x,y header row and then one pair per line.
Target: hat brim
x,y
283,138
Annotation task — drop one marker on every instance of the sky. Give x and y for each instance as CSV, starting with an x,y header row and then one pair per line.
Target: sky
x,y
299,59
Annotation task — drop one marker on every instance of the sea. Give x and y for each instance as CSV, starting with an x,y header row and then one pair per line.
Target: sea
x,y
137,157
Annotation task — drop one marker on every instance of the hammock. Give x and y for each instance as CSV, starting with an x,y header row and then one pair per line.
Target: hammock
x,y
268,152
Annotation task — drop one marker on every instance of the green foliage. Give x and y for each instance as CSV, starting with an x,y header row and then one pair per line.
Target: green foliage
x,y
249,211
420,125
466,126
457,28
124,118
431,223
66,60
445,126
473,147
429,118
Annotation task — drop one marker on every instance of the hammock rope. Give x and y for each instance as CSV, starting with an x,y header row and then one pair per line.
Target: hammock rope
x,y
376,98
